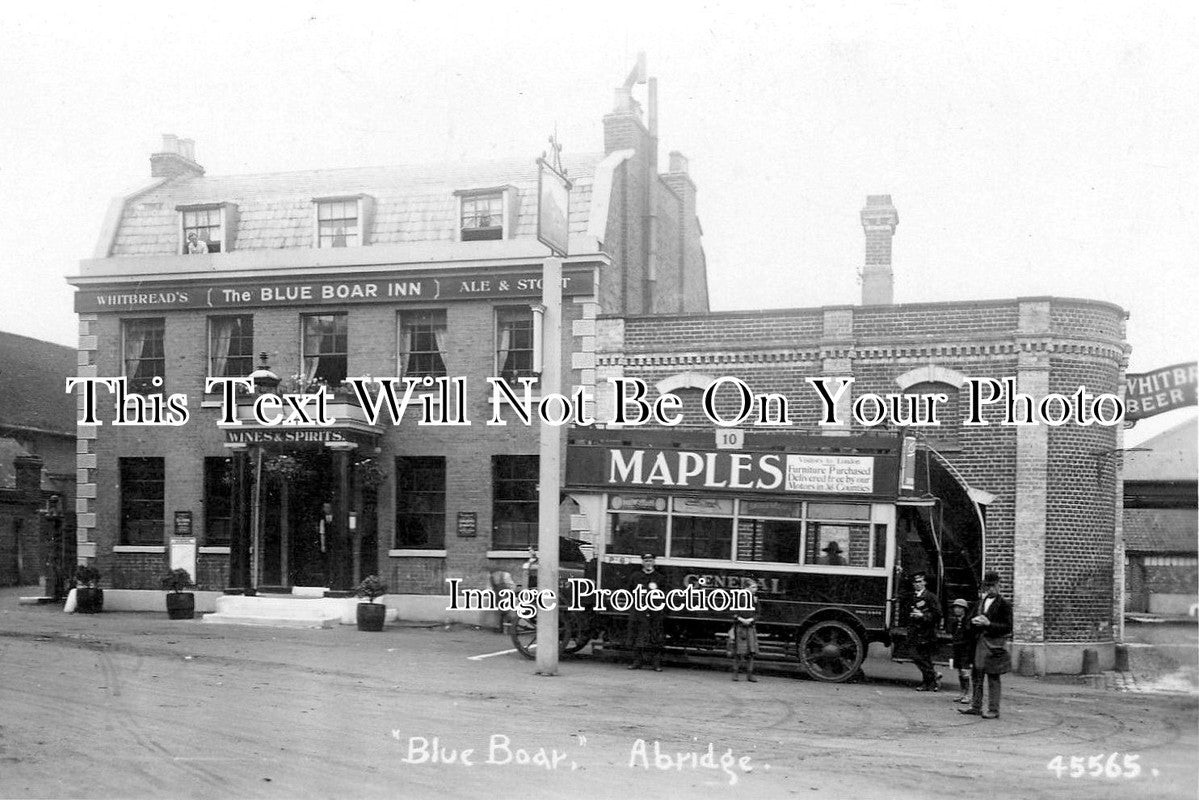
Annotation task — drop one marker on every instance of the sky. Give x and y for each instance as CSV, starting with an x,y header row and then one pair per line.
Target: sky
x,y
1038,149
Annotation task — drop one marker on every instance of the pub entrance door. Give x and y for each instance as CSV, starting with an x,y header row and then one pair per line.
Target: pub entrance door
x,y
299,495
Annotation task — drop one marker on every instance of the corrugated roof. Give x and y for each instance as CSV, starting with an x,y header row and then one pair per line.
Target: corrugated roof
x,y
1161,530
32,384
412,203
1172,455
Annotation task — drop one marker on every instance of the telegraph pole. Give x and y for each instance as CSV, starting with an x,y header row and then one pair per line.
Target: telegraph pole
x,y
550,462
553,213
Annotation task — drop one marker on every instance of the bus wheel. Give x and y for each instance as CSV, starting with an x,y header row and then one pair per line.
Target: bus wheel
x,y
524,636
831,651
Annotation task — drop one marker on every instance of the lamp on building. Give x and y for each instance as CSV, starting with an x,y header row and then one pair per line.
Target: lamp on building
x,y
53,507
538,338
264,380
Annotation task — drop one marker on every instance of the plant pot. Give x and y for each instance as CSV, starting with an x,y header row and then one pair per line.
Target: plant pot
x,y
89,600
371,616
181,605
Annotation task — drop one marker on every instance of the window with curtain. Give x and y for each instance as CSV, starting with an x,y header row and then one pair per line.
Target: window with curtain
x,y
325,348
145,358
337,223
142,501
422,344
230,346
207,224
514,502
420,502
514,342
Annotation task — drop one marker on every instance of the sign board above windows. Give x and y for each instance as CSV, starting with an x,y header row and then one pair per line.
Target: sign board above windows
x,y
340,291
777,473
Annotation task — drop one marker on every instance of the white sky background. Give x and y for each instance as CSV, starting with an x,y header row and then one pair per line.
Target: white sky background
x,y
1030,150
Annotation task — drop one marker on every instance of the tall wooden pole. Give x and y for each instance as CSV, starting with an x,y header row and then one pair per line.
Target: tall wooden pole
x,y
550,463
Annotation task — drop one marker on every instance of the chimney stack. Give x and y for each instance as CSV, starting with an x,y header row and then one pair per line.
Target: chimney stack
x,y
176,159
879,219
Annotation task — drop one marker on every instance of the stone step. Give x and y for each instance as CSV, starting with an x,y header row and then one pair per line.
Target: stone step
x,y
287,611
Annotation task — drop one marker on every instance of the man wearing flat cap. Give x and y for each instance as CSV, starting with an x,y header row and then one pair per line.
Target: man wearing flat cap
x,y
645,624
923,615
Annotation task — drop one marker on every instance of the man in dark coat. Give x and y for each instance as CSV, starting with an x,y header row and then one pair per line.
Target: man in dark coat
x,y
645,624
989,624
923,616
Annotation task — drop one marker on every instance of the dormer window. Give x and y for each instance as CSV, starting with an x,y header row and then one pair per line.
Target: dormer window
x,y
206,228
486,213
341,221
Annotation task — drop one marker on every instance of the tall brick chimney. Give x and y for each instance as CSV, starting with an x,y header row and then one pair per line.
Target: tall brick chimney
x,y
679,181
879,219
623,126
177,159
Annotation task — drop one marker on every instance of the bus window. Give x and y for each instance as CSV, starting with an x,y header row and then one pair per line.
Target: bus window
x,y
636,534
837,544
768,540
701,537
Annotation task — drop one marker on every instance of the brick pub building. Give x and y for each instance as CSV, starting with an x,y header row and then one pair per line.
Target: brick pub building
x,y
409,271
415,272
1050,495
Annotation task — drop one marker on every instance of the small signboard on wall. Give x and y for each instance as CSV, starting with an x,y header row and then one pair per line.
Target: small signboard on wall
x,y
183,544
468,524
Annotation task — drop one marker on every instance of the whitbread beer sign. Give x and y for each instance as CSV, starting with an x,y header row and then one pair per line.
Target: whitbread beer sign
x,y
1162,390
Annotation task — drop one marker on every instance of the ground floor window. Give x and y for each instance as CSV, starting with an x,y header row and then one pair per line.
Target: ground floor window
x,y
514,502
420,502
142,501
218,501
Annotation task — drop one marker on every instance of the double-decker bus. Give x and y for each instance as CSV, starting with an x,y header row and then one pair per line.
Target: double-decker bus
x,y
827,526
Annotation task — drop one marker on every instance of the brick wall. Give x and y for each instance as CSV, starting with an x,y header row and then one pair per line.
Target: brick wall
x,y
470,352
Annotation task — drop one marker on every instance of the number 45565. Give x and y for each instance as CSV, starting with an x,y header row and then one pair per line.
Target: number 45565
x,y
1096,766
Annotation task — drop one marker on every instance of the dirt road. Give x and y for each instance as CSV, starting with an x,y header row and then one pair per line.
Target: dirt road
x,y
133,705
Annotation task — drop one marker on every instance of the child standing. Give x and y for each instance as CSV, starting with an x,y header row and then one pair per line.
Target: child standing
x,y
743,637
963,647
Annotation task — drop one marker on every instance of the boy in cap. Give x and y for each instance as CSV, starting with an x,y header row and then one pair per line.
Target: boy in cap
x,y
963,647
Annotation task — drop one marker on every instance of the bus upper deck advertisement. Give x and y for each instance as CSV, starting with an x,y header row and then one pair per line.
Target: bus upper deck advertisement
x,y
865,467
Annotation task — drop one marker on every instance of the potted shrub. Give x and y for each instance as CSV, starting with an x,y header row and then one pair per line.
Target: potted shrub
x,y
180,604
370,613
89,598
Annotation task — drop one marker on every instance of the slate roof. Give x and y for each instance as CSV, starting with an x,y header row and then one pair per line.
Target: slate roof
x,y
1161,530
412,203
1172,455
32,384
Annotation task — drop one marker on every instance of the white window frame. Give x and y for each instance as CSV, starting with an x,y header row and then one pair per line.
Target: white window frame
x,y
408,312
508,208
228,215
363,205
